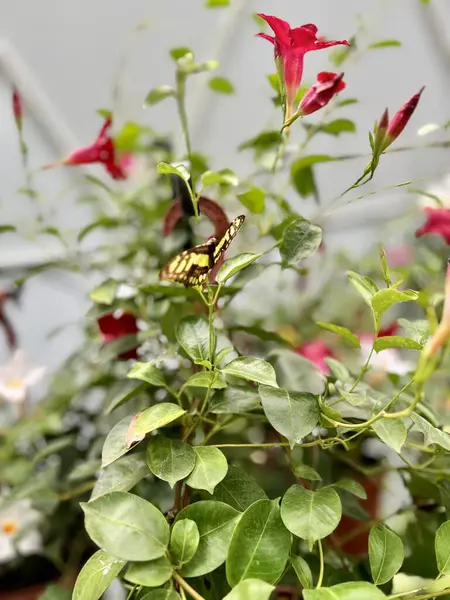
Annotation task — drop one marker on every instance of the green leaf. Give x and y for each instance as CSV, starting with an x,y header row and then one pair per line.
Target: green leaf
x,y
353,398
158,94
259,548
170,459
104,293
263,141
193,336
364,285
338,126
160,595
184,541
216,3
216,522
386,298
151,574
442,547
203,380
311,515
385,44
157,416
233,265
115,444
121,476
238,489
250,588
386,553
395,341
54,592
306,472
252,369
352,486
431,434
304,181
223,177
341,331
338,370
221,85
211,466
84,470
302,571
392,432
418,330
6,228
122,392
347,102
166,169
147,372
301,239
254,199
358,590
179,52
127,526
293,414
234,400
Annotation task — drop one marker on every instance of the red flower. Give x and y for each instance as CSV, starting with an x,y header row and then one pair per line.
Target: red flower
x,y
290,46
17,108
438,222
114,326
318,96
101,151
316,351
391,329
400,119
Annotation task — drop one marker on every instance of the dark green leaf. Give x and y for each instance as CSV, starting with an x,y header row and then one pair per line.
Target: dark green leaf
x,y
352,486
210,468
304,181
263,141
216,522
170,459
250,588
342,332
184,541
5,228
155,417
253,199
115,444
234,400
121,476
127,526
158,94
293,414
253,369
311,515
259,548
302,571
338,126
221,85
122,392
306,472
238,489
386,553
233,265
96,576
151,574
193,336
301,239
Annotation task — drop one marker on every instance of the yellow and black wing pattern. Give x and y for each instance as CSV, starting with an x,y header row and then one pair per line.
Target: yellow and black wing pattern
x,y
191,267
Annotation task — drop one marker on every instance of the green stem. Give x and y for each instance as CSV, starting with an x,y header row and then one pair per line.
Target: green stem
x,y
422,597
282,444
363,370
184,584
281,149
322,566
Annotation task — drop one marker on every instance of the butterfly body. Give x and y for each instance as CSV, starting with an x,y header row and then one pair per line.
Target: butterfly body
x,y
192,267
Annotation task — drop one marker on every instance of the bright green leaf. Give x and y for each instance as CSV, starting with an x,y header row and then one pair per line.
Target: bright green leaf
x,y
395,341
252,369
166,169
170,459
221,85
301,239
302,571
250,588
158,94
184,541
147,372
223,177
357,590
179,52
151,574
386,553
216,522
211,466
55,592
259,548
386,298
311,515
233,265
385,44
203,379
341,331
156,416
121,476
293,414
364,285
238,489
306,472
216,3
193,336
96,576
253,199
104,293
127,526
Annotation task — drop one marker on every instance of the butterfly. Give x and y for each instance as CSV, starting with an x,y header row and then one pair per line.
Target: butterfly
x,y
192,267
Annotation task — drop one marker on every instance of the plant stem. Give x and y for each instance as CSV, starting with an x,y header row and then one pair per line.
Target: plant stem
x,y
181,105
422,597
281,444
184,584
363,370
84,487
322,566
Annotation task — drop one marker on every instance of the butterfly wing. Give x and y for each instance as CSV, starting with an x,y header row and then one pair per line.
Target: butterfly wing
x,y
192,266
222,245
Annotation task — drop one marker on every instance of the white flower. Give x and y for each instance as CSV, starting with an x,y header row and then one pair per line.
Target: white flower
x,y
19,535
16,377
388,361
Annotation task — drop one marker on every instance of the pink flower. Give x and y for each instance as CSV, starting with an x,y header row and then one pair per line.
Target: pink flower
x,y
17,108
316,351
113,326
101,151
290,46
438,222
400,119
320,94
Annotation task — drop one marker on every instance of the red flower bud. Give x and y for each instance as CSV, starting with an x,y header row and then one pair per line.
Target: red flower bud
x,y
113,327
401,118
290,46
320,94
17,108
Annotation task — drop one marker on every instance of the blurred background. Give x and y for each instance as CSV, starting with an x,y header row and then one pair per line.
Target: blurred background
x,y
70,59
